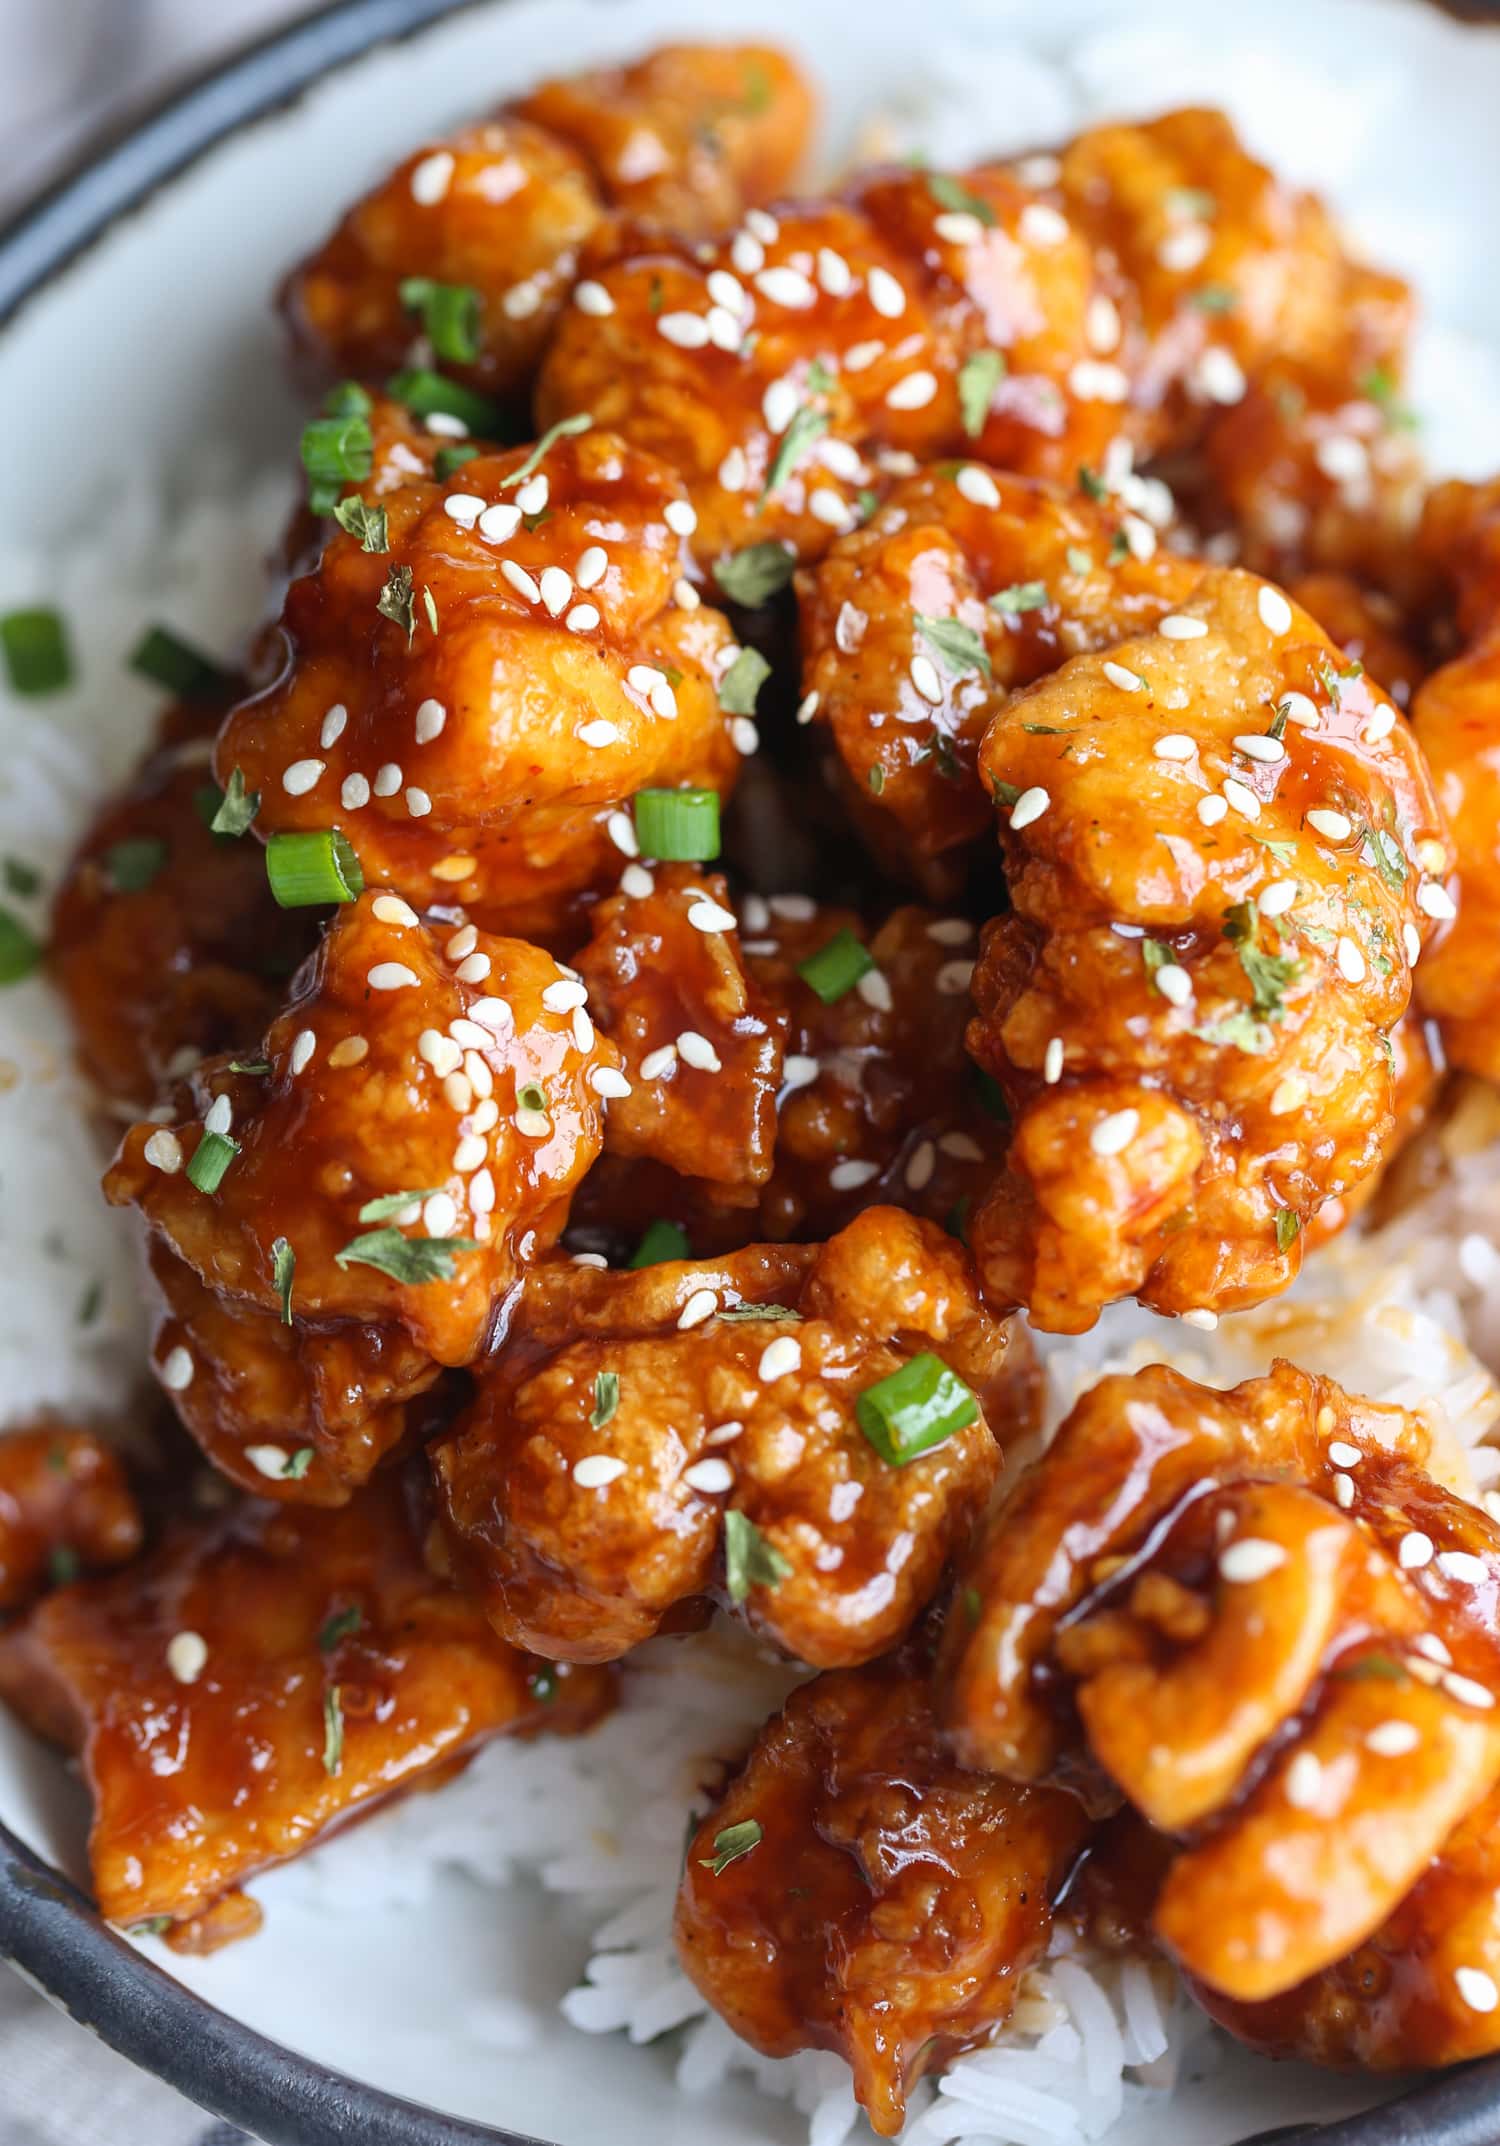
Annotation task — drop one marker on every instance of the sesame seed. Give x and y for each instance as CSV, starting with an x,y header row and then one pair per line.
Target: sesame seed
x,y
474,970
354,793
440,1214
834,273
709,1475
961,1147
520,581
387,779
697,1051
1303,1778
1218,378
1029,806
808,706
701,1305
431,716
596,1470
1182,250
1392,1739
786,287
919,1169
1300,710
217,1118
1244,800
304,1043
620,828
977,486
593,565
727,291
734,470
953,978
1255,745
563,997
1460,1565
826,506
950,931
1211,810
497,525
177,1370
1097,380
1435,901
1249,1558
391,976
779,1358
1275,611
710,916
1414,1551
688,331
1477,1989
599,732
1052,1061
493,1013
482,1192
1114,1133
1351,962
471,1151
438,1051
796,908
592,298
1101,323
1042,225
187,1656
556,588
747,253
418,802
1343,458
886,294
1343,1455
390,909
913,391
956,227
1290,1092
1127,681
848,1176
1333,825
431,178
1204,1320
521,300
457,1093
1466,1691
301,777
464,508
605,1081
1174,983
164,1152
1428,1644
1380,725
1176,745
446,427
1343,1491
679,517
1278,897
685,596
925,678
333,725
350,1051
485,1116
531,1124
658,1063
1178,627
637,882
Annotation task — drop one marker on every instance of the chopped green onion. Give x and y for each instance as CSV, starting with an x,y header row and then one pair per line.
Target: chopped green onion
x,y
335,451
449,459
166,658
677,826
836,967
283,1267
152,1926
749,1559
357,519
531,1095
35,644
915,1409
250,1065
309,868
339,1626
731,1843
348,399
236,808
333,1730
751,576
566,428
412,1260
20,950
211,1158
662,1241
395,1203
428,394
135,862
606,1399
450,315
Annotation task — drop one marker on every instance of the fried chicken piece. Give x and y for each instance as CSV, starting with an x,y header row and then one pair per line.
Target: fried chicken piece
x,y
256,1680
417,1077
1224,1597
855,1890
783,368
532,668
642,1441
1456,718
166,945
65,1502
1222,848
499,210
965,585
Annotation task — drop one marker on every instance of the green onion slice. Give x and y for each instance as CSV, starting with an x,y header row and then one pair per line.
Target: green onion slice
x,y
20,950
166,658
662,1241
450,316
915,1409
677,826
348,399
836,967
429,394
35,645
335,451
211,1158
311,867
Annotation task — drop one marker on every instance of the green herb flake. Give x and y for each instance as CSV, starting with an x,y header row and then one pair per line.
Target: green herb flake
x,y
752,576
1190,202
566,428
1019,597
91,1304
1379,386
368,523
450,315
152,1926
283,1267
412,1261
20,949
544,1683
1214,298
1268,974
731,1843
1079,561
959,649
449,460
259,1066
1288,1228
63,1565
742,682
297,1464
750,1560
606,1399
395,1203
1373,1669
135,862
951,193
341,1625
333,1731
1091,484
35,648
978,378
397,601
973,1605
806,427
876,780
742,1312
1239,1030
236,808
21,878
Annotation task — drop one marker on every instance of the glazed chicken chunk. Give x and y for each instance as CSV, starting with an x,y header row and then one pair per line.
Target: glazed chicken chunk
x,y
495,214
368,1189
725,1427
1258,1617
856,1890
1221,845
257,1679
475,686
65,1504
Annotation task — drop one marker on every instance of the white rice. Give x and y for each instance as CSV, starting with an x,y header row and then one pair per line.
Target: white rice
x,y
1094,2047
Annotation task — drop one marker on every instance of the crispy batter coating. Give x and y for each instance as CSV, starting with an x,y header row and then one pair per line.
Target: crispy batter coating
x,y
417,1076
165,943
637,1422
65,1503
690,134
258,1678
1456,718
474,748
1028,573
1252,1605
780,370
1220,845
890,1902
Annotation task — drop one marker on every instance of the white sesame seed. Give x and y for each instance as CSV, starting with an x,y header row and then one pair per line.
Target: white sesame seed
x,y
1380,725
886,294
418,802
593,565
1244,800
1343,1491
747,253
1290,1093
1343,458
1176,745
1351,962
556,588
463,942
1029,806
431,178
390,909
1114,1133
1218,378
961,1147
1414,1551
688,331
1300,710
164,1152
391,976
684,595
913,391
1343,1455
658,1063
1460,1565
217,1118
827,506
734,470
301,777
1178,627
637,882
727,291
710,916
1477,1989
1174,983
592,298
1127,681
1204,1320
440,1214
696,1050
709,1475
977,486
564,996
387,779
187,1656
786,287
464,508
1275,611
177,1370
953,978
679,517
1211,810
950,931
431,716
958,228
1249,1558
597,1470
1466,1691
796,908
605,1081
925,678
875,989
1435,901
779,1358
808,706
333,725
1392,1739
834,273
1042,225
1278,897
599,732
474,970
848,1176
1097,380
497,525
1256,745
476,1068
920,1166
701,1305
1303,1779
520,581
1052,1061
1333,825
663,700
439,1051
583,1031
354,793
445,426
1428,1644
522,300
1181,250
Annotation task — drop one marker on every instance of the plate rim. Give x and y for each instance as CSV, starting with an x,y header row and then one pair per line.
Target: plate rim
x,y
49,1930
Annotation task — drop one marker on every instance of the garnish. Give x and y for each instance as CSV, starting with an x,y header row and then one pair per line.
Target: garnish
x,y
566,428
333,1731
135,862
63,1564
1092,484
1214,298
742,681
1020,596
876,780
836,967
249,1065
807,426
236,808
1268,974
394,1203
347,399
743,1312
750,1560
297,1464
1373,1668
531,1096
210,1159
450,315
336,451
677,826
1156,956
916,1408
35,646
730,1843
951,193
20,877
1288,1228
429,605
152,1926
606,1399
991,1096
1189,201
1379,386
750,576
543,1683
1388,857
978,378
958,647
397,601
170,661
339,1626
283,1267
662,1241
449,459
357,519
411,1260
1003,792
973,1603
1079,561
429,394
1240,1030
313,866
939,750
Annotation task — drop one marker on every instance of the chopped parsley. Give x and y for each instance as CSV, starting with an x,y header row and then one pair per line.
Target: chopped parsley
x,y
606,1399
978,378
1079,561
1288,1228
1268,974
566,428
236,808
341,1625
753,575
1020,596
1091,484
297,1464
135,862
957,647
368,523
749,1559
283,1267
730,1843
411,1260
397,601
394,1203
742,682
951,193
806,427
333,1731
1214,298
